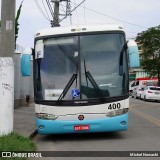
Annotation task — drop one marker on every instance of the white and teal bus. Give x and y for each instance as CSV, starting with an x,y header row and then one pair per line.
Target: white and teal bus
x,y
81,79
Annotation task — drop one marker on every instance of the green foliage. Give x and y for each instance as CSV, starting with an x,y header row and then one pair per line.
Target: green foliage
x,y
16,22
15,142
149,42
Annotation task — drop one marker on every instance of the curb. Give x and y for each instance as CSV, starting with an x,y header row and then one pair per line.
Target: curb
x,y
33,134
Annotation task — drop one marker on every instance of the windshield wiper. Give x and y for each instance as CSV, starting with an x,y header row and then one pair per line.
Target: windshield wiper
x,y
67,87
74,76
67,55
94,84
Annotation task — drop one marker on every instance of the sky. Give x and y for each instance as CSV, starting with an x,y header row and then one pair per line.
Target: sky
x,y
135,15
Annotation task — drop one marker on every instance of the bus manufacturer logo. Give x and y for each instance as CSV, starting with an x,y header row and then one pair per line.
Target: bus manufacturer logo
x,y
81,117
80,102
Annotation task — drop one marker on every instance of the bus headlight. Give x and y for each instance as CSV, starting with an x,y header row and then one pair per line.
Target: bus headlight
x,y
117,112
46,116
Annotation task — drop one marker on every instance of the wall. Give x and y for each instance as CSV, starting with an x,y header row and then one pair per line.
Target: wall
x,y
23,85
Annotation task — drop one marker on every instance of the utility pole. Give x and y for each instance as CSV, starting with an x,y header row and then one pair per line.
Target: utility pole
x,y
56,13
7,48
69,10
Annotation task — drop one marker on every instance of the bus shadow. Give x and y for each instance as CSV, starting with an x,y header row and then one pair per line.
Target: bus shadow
x,y
153,101
83,136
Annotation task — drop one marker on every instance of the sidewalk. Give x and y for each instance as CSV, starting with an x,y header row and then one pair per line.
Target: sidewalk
x,y
24,120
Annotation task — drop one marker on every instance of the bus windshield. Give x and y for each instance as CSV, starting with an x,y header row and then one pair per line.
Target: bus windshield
x,y
82,67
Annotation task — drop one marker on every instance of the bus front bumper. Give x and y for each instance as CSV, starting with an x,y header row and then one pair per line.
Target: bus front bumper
x,y
118,123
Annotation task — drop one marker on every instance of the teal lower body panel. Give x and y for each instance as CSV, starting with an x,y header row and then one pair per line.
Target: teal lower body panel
x,y
118,123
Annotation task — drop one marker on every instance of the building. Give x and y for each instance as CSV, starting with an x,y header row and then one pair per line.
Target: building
x,y
137,73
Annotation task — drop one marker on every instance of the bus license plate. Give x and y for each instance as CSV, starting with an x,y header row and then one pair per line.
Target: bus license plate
x,y
81,128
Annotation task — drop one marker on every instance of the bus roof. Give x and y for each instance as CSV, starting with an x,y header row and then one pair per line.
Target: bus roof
x,y
78,29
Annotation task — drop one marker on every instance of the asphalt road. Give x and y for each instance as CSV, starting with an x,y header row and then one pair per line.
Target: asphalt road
x,y
143,135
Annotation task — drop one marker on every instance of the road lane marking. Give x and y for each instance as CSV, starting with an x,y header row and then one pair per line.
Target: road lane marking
x,y
141,114
146,106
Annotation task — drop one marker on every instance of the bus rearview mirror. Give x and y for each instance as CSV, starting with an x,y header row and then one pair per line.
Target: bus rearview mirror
x,y
26,62
133,52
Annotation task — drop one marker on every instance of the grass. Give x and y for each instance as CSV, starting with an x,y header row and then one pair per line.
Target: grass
x,y
16,142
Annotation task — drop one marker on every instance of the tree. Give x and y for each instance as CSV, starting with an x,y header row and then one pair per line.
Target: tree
x,y
149,44
16,21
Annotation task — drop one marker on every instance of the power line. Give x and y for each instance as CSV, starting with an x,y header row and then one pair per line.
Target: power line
x,y
50,8
72,10
62,8
84,13
41,9
76,12
114,18
45,9
69,13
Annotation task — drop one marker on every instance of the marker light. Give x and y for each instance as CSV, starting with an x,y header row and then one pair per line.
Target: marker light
x,y
46,116
117,112
78,29
37,34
